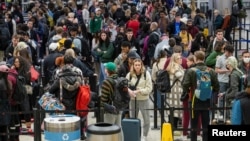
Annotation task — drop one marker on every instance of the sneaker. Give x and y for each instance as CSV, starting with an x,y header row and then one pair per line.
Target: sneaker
x,y
177,133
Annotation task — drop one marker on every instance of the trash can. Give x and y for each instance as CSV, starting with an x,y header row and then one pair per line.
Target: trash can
x,y
103,132
62,128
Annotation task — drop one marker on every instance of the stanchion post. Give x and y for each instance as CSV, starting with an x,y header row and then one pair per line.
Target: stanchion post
x,y
171,116
235,48
155,109
240,32
37,125
247,39
162,107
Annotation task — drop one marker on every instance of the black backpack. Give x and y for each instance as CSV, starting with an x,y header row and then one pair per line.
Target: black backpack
x,y
121,97
233,21
19,90
163,81
5,38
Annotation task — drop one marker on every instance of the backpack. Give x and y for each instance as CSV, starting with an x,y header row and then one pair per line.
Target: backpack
x,y
121,97
19,90
203,89
235,9
83,99
203,23
5,38
232,22
163,81
78,15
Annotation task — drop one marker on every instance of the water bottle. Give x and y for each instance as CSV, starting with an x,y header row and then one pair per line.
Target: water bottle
x,y
197,90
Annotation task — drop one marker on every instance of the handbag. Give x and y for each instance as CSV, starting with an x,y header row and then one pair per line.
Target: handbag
x,y
34,74
83,100
50,102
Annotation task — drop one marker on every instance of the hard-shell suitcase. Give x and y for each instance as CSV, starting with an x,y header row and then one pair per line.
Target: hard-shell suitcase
x,y
131,128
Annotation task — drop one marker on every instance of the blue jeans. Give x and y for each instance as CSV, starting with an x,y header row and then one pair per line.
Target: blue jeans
x,y
185,54
102,75
159,99
223,88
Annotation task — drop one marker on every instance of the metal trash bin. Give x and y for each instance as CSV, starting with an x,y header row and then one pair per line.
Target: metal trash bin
x,y
62,128
103,132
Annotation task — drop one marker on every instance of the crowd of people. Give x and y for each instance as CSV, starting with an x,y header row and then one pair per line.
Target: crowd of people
x,y
106,39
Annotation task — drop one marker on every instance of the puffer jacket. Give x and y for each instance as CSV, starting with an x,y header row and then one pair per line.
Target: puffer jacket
x,y
70,78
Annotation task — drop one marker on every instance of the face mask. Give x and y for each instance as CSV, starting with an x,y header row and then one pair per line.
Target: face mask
x,y
246,60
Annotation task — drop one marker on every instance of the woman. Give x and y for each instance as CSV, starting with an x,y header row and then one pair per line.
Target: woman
x,y
218,50
176,73
139,90
71,18
159,65
67,84
105,52
22,66
186,40
6,90
200,43
234,85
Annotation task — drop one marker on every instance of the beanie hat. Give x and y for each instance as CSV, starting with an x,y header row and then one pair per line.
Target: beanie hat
x,y
4,68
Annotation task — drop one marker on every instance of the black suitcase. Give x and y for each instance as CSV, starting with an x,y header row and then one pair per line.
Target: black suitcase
x,y
131,128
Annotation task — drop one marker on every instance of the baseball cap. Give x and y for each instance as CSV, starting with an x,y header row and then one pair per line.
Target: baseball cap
x,y
110,66
4,68
133,55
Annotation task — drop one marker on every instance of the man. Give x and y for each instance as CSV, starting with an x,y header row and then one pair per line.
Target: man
x,y
219,37
125,47
125,66
96,22
107,91
153,40
161,46
241,104
174,27
222,71
133,42
192,29
177,49
190,81
218,20
8,54
113,30
134,24
163,22
244,65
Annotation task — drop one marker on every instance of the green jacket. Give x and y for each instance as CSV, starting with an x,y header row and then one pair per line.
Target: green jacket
x,y
95,24
211,59
106,53
190,81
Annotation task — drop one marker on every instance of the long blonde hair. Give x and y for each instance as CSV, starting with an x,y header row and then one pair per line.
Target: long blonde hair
x,y
132,70
173,66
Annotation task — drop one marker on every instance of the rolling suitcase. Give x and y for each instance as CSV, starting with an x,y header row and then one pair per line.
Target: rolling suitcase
x,y
131,128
